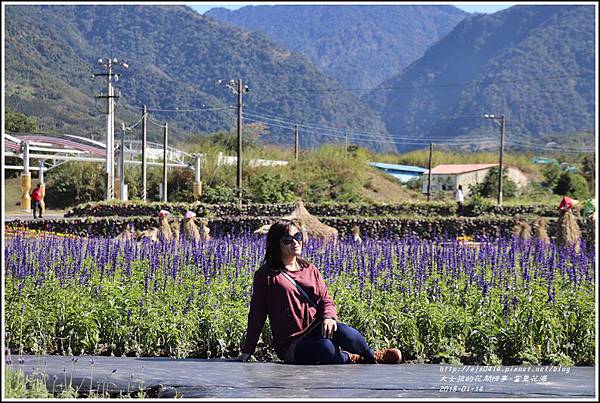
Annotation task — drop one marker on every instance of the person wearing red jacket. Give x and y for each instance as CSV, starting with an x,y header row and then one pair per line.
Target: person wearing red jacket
x,y
303,319
36,200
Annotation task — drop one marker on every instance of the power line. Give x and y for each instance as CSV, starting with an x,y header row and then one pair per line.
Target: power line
x,y
450,85
155,122
413,140
130,127
358,134
550,148
180,110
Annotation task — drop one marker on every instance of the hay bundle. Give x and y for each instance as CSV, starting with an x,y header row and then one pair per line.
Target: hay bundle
x,y
590,237
541,232
165,232
356,234
190,230
204,230
568,234
194,232
522,230
309,224
175,229
128,233
151,234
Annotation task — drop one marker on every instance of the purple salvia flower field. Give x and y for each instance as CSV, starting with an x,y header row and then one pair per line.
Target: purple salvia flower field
x,y
505,301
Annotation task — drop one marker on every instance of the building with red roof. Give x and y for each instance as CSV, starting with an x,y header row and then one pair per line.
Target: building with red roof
x,y
447,177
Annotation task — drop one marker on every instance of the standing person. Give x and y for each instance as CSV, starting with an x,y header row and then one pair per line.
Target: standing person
x,y
290,291
36,200
460,200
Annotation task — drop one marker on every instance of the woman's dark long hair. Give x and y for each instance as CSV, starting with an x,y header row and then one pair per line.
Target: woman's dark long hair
x,y
273,251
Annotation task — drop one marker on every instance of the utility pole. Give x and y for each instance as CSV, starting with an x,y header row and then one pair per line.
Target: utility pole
x,y
197,185
165,138
239,140
500,179
122,170
296,143
502,124
42,186
346,142
429,172
239,89
108,64
25,178
144,126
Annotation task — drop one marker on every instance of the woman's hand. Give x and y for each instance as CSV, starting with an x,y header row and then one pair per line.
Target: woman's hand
x,y
328,327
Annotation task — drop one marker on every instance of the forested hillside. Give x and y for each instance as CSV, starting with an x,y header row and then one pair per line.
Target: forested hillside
x,y
175,55
535,64
359,45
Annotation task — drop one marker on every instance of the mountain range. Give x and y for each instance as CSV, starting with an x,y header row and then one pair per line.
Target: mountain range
x,y
440,70
533,64
174,56
358,45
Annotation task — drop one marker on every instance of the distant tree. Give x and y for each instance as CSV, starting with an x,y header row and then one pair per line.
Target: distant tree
x,y
588,170
551,174
16,122
573,185
73,183
415,183
270,188
489,186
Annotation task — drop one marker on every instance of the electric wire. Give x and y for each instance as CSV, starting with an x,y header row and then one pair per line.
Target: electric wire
x,y
450,85
137,108
413,140
359,135
550,148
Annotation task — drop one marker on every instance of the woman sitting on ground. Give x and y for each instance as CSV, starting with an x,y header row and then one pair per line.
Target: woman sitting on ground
x,y
303,319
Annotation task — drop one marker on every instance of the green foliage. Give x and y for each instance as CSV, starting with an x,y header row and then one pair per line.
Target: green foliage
x,y
266,187
19,386
73,183
191,313
477,205
218,194
505,50
358,46
519,160
49,51
588,170
573,185
416,183
551,174
489,186
16,122
329,174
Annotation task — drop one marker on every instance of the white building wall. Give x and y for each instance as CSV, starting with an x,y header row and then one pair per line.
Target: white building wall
x,y
451,182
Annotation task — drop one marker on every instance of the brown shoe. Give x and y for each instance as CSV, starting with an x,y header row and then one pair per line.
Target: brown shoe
x,y
388,356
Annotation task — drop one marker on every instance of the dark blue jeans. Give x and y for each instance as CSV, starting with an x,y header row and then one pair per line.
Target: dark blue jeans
x,y
35,206
314,349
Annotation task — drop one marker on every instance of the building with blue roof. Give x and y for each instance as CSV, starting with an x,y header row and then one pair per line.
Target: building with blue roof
x,y
403,173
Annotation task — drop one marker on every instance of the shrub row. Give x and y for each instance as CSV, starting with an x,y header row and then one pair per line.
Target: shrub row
x,y
443,209
377,227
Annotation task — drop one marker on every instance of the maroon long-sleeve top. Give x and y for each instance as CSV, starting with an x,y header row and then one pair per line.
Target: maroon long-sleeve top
x,y
290,314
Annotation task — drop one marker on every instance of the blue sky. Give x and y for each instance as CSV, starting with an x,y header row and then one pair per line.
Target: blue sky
x,y
486,7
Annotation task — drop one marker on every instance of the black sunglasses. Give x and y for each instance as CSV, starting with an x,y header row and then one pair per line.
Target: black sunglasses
x,y
288,239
